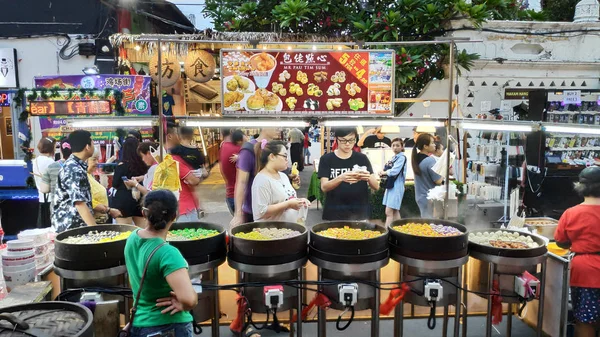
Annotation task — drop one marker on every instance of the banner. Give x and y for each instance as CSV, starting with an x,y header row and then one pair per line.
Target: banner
x,y
136,89
352,82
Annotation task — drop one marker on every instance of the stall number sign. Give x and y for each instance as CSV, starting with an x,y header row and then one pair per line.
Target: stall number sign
x,y
49,108
4,99
572,97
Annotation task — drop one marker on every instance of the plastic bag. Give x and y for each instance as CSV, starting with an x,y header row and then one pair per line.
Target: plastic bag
x,y
442,164
166,176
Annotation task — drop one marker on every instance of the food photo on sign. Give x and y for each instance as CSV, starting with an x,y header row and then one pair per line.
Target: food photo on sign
x,y
307,82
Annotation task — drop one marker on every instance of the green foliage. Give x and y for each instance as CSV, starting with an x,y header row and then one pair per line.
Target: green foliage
x,y
382,21
292,12
560,10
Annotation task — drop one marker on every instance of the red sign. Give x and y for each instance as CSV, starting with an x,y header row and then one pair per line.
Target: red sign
x,y
352,82
48,108
4,99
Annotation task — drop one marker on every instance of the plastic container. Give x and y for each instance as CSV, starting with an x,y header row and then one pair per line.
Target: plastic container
x,y
18,259
20,245
41,249
14,269
38,235
14,279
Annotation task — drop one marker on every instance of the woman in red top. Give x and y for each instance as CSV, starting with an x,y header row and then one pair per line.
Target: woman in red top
x,y
306,148
579,230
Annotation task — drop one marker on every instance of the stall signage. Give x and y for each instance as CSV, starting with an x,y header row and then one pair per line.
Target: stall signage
x,y
135,89
519,94
46,108
264,82
572,97
4,98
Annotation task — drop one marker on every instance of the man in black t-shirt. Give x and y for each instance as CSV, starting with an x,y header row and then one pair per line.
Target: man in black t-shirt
x,y
347,190
374,139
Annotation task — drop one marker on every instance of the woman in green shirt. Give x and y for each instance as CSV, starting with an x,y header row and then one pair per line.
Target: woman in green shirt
x,y
167,294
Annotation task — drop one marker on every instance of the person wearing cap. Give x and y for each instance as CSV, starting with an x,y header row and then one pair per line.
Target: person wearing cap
x,y
374,139
579,230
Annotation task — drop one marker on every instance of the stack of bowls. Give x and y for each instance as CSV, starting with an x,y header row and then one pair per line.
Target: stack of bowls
x,y
41,246
18,263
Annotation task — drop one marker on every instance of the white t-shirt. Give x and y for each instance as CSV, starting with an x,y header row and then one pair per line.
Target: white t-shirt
x,y
149,177
40,165
267,191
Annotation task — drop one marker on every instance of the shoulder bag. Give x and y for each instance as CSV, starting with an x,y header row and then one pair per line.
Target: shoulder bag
x,y
391,180
126,332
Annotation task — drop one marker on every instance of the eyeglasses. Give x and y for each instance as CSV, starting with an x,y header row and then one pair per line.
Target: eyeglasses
x,y
282,155
346,141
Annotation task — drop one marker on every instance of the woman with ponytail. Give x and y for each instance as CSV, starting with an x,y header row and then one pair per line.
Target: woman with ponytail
x,y
425,177
273,197
166,295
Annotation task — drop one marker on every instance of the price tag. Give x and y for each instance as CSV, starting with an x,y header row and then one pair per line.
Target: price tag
x,y
572,97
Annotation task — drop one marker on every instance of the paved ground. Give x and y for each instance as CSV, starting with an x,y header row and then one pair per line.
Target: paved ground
x,y
213,193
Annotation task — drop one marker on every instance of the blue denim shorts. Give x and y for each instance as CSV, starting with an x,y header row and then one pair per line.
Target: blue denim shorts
x,y
169,330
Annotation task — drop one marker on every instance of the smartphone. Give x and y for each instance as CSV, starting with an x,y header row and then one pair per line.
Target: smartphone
x,y
125,178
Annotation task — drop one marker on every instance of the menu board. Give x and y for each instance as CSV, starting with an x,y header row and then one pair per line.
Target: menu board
x,y
88,107
262,82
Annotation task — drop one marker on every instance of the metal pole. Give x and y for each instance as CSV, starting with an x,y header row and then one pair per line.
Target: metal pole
x,y
322,315
299,308
506,176
399,311
216,307
291,315
465,300
564,307
449,126
375,309
540,322
458,301
488,322
509,317
445,322
161,133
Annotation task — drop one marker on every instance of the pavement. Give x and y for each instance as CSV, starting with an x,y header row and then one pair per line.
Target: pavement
x,y
212,191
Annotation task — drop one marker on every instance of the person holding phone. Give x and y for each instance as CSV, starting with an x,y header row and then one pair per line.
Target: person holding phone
x,y
345,177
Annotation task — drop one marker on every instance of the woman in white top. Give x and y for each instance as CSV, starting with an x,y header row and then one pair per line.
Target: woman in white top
x,y
273,197
46,147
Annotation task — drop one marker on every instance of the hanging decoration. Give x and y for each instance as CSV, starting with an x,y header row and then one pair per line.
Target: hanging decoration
x,y
200,66
170,69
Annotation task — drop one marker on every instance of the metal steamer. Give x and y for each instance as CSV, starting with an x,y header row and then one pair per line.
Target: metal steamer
x,y
270,262
204,256
344,262
433,268
489,264
94,265
91,265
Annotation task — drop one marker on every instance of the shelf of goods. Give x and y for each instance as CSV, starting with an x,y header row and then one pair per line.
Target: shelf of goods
x,y
269,252
350,251
431,252
498,257
204,247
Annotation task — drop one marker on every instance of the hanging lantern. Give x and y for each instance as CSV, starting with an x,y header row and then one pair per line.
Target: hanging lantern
x,y
170,69
200,66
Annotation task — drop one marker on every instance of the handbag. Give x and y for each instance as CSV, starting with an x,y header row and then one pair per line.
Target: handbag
x,y
126,332
391,180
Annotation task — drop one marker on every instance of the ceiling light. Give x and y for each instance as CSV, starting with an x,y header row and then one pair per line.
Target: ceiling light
x,y
137,47
91,70
115,122
572,129
496,127
314,47
382,122
289,48
247,123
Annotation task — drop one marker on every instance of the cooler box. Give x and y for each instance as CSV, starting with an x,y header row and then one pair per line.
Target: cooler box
x,y
13,173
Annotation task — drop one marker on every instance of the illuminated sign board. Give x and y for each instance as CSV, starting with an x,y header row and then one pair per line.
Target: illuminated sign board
x,y
67,108
4,98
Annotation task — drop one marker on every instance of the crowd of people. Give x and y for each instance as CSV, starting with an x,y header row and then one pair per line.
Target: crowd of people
x,y
255,170
259,187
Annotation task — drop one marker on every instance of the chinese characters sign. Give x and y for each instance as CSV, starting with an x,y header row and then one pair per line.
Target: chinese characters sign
x,y
135,89
61,108
352,82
